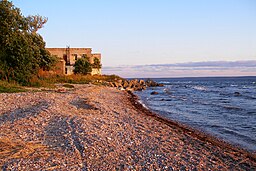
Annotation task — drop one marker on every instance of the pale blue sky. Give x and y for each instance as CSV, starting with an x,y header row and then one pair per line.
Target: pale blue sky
x,y
139,32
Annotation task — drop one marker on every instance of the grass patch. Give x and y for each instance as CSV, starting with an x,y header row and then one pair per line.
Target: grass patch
x,y
6,87
51,80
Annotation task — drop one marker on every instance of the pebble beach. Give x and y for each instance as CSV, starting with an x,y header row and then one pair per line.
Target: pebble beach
x,y
91,127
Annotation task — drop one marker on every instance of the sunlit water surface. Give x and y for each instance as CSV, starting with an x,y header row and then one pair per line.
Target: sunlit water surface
x,y
223,107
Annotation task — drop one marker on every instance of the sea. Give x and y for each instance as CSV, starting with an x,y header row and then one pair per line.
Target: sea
x,y
224,107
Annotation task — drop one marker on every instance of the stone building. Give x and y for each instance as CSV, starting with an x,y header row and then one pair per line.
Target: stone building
x,y
68,56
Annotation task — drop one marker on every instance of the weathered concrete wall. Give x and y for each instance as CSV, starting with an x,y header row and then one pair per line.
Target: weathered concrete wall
x,y
60,67
69,70
59,52
76,53
95,55
70,55
96,71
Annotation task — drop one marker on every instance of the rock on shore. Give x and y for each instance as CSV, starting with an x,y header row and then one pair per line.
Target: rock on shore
x,y
98,128
134,85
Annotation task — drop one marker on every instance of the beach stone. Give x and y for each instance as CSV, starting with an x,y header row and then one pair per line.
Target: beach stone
x,y
61,90
116,84
129,89
151,83
111,84
121,88
142,82
125,84
237,94
154,93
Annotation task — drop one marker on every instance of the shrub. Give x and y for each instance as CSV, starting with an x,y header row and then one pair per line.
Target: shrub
x,y
82,66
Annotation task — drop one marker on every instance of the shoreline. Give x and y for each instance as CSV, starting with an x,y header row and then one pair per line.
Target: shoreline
x,y
101,128
190,130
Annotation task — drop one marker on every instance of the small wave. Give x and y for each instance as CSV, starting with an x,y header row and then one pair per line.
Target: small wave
x,y
232,108
167,91
215,126
230,131
250,97
233,85
143,104
251,113
201,88
166,100
165,82
222,100
238,134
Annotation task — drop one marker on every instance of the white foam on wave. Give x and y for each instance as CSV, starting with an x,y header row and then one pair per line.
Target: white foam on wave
x,y
143,104
233,85
164,82
201,88
167,90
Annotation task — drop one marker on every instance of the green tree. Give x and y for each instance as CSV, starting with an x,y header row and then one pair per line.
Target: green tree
x,y
35,22
96,63
82,66
22,50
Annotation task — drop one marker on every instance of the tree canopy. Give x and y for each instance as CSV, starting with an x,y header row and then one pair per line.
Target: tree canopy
x,y
96,63
82,66
22,49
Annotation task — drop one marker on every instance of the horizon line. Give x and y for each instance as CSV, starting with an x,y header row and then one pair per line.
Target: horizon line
x,y
178,63
245,76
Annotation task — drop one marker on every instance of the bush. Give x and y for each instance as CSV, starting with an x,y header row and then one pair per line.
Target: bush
x,y
82,66
96,63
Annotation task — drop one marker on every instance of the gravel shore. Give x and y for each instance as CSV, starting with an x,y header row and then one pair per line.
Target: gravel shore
x,y
99,128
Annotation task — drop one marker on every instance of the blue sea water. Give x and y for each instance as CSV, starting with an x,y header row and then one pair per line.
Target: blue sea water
x,y
223,107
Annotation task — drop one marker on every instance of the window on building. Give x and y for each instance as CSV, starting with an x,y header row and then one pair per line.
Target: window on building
x,y
65,57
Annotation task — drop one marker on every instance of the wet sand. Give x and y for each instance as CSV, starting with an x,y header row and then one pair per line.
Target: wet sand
x,y
100,128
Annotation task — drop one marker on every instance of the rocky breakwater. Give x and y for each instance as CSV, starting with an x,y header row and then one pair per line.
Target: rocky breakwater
x,y
134,84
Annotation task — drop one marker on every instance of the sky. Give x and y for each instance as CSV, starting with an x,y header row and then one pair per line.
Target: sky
x,y
144,33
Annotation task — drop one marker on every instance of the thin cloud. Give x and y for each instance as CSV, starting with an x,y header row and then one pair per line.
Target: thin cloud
x,y
251,63
209,68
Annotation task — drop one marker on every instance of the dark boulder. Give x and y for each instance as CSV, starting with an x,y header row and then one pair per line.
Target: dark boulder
x,y
237,93
133,85
154,93
151,83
